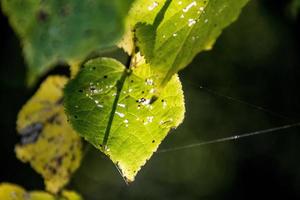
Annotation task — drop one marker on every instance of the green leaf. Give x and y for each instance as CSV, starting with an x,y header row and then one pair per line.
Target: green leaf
x,y
48,142
181,30
113,108
139,12
64,30
10,191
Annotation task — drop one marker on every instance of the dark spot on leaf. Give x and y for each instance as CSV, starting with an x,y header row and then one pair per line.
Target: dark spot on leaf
x,y
75,116
92,88
81,91
153,141
52,169
54,119
73,157
50,139
31,133
42,16
153,99
59,160
141,100
105,76
59,101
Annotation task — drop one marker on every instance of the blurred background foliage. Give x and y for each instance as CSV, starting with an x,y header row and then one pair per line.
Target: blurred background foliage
x,y
255,60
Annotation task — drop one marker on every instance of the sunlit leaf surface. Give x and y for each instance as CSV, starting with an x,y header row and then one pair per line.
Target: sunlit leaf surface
x,y
113,108
48,142
181,29
139,12
64,30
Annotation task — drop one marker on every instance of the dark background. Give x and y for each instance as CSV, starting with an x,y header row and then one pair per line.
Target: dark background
x,y
256,60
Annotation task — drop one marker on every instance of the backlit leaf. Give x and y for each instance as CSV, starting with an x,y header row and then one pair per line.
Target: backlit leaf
x,y
48,142
113,108
139,12
182,29
64,30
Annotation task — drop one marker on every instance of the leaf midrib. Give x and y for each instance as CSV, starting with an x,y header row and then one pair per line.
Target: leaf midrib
x,y
119,86
170,71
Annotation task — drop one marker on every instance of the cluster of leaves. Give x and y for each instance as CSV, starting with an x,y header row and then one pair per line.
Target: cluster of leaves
x,y
124,111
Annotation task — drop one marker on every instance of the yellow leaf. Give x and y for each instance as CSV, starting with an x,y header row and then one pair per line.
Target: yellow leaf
x,y
48,142
71,195
40,195
9,191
